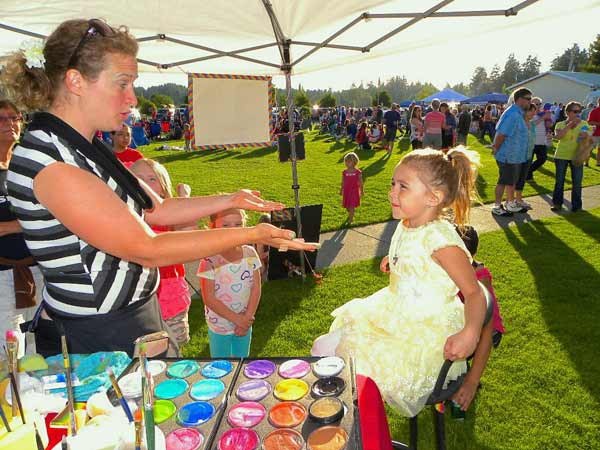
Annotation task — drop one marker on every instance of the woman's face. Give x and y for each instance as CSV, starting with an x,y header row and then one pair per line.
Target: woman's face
x,y
10,126
109,99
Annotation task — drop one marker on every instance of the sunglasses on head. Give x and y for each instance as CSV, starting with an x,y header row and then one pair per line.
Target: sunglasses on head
x,y
95,27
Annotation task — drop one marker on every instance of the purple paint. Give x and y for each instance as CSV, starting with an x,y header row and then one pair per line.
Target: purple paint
x,y
294,368
261,368
253,390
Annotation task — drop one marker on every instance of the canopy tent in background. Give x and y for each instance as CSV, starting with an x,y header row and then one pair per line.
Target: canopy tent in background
x,y
490,97
260,37
446,95
407,103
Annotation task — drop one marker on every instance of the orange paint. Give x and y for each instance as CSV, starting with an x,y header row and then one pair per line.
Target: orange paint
x,y
328,438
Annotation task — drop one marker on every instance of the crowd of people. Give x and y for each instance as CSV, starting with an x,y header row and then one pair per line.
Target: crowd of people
x,y
111,238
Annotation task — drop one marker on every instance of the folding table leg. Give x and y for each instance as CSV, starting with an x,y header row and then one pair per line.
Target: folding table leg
x,y
440,431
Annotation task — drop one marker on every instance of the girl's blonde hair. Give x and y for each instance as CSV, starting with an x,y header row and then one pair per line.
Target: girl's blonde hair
x,y
454,173
161,173
68,47
213,217
352,157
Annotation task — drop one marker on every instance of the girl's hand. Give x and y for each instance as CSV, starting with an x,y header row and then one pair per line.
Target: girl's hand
x,y
183,190
243,321
251,200
240,331
385,264
466,394
267,234
461,345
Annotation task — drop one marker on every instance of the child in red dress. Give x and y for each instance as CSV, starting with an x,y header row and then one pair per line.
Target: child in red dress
x,y
352,186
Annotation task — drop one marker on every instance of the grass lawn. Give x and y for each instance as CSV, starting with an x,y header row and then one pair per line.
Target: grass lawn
x,y
208,172
541,389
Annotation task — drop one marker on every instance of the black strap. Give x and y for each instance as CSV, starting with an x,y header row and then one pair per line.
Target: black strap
x,y
96,151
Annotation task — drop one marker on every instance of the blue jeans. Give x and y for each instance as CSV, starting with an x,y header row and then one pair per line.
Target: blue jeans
x,y
229,345
559,184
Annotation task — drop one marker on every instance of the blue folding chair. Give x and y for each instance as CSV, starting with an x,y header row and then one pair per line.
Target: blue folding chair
x,y
138,136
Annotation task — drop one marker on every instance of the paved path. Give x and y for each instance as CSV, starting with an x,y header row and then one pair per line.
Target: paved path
x,y
360,243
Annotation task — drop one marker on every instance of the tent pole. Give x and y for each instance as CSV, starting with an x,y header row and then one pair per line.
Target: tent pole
x,y
295,185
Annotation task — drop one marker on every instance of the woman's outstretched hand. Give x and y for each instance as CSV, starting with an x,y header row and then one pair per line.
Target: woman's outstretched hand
x,y
284,240
251,200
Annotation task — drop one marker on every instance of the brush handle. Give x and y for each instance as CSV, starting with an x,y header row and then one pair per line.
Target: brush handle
x,y
125,406
16,400
4,419
149,424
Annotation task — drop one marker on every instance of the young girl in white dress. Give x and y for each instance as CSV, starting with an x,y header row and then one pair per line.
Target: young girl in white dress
x,y
401,334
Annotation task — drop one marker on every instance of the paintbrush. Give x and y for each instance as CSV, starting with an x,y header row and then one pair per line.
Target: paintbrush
x,y
70,396
4,419
138,430
38,439
64,445
119,394
147,399
12,350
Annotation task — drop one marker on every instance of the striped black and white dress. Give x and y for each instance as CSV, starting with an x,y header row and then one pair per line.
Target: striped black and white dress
x,y
80,280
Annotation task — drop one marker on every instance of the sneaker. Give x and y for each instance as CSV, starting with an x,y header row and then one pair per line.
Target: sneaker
x,y
524,205
514,207
556,208
499,210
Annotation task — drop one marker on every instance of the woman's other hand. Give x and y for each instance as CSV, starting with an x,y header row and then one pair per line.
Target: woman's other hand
x,y
272,236
251,200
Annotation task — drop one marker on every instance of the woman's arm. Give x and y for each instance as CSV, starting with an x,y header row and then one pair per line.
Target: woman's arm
x,y
92,211
455,262
10,227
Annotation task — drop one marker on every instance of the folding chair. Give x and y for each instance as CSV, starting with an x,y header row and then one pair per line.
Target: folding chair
x,y
440,395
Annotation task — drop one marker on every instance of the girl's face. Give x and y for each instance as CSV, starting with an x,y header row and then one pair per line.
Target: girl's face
x,y
408,195
232,219
349,163
10,126
145,173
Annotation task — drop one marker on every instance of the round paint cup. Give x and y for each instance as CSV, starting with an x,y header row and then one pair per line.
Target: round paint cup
x,y
131,385
163,410
206,389
326,410
217,369
291,389
287,414
294,368
327,438
155,367
328,387
261,368
239,439
283,439
246,414
183,369
329,366
184,439
171,388
253,390
195,413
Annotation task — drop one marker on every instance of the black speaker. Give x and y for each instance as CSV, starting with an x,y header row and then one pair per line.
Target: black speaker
x,y
285,150
287,264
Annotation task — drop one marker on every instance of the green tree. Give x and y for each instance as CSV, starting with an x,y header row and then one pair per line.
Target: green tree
x,y
530,68
479,81
301,99
281,98
382,98
145,106
327,101
512,71
573,58
426,91
593,64
161,99
495,81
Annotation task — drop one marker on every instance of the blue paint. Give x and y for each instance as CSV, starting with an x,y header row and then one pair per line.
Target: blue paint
x,y
217,369
195,413
169,389
206,389
183,369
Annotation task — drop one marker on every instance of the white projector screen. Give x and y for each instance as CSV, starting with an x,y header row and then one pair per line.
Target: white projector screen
x,y
229,110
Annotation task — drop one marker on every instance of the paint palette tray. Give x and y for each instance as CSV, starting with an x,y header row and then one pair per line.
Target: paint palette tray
x,y
190,395
273,399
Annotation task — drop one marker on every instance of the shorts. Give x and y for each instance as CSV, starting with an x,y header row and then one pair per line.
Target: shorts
x,y
229,345
390,134
509,173
520,184
433,141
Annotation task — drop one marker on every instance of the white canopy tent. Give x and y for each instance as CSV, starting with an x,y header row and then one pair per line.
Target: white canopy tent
x,y
257,37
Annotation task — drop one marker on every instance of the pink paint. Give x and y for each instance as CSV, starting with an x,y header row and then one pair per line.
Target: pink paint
x,y
246,414
239,439
184,439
